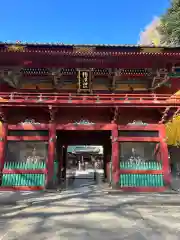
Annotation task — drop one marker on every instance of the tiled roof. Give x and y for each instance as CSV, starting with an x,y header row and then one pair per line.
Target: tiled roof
x,y
94,50
70,45
84,45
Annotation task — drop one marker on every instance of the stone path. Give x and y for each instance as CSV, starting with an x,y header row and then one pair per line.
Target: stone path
x,y
88,213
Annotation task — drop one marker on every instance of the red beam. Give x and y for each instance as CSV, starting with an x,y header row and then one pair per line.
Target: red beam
x,y
22,188
96,126
35,94
134,171
69,51
28,126
150,106
49,58
24,171
124,100
139,139
27,138
91,105
149,127
143,189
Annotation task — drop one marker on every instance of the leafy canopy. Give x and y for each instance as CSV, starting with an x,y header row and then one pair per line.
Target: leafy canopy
x,y
170,24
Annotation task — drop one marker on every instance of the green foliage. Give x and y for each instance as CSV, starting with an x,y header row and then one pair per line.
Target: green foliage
x,y
170,25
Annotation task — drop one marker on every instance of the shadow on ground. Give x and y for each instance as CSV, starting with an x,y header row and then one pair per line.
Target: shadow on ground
x,y
94,215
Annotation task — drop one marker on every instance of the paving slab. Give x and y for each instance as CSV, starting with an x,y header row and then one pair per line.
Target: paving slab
x,y
91,214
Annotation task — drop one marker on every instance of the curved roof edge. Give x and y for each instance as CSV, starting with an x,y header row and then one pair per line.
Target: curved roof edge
x,y
86,45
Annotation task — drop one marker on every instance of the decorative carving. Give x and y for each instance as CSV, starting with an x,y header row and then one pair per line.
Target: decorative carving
x,y
84,122
164,115
98,99
35,155
115,139
138,123
175,71
2,115
56,74
12,77
84,50
113,74
30,121
134,72
52,113
161,78
16,48
115,112
151,49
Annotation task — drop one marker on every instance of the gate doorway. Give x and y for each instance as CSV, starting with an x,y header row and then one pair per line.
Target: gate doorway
x,y
84,164
81,155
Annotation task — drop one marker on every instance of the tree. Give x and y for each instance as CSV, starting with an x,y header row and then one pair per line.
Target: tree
x,y
170,25
151,36
173,131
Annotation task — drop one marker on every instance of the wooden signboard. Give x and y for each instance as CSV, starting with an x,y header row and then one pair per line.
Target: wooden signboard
x,y
84,81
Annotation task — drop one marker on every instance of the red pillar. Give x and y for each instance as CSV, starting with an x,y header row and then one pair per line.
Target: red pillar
x,y
164,153
115,155
51,154
3,141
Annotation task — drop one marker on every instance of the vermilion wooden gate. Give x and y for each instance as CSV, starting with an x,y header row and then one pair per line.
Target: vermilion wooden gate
x,y
150,175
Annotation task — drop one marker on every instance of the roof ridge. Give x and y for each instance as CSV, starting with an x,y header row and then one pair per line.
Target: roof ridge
x,y
83,45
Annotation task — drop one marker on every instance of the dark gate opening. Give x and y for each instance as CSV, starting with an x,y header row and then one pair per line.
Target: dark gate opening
x,y
79,153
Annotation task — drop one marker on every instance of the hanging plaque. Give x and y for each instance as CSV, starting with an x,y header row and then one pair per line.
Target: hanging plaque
x,y
84,80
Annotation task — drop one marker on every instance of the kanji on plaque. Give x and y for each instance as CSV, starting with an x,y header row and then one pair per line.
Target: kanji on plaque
x,y
84,80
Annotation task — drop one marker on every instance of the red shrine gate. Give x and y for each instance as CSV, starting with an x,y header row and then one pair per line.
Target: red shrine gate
x,y
118,96
65,120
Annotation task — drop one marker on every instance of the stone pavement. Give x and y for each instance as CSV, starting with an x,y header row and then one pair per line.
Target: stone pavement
x,y
17,197
89,213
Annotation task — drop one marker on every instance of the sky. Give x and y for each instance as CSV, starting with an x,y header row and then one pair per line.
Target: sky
x,y
77,21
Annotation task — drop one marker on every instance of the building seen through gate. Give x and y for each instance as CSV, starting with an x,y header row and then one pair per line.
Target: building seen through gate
x,y
116,97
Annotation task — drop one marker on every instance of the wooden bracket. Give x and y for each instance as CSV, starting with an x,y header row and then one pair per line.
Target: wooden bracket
x,y
114,75
52,113
160,78
56,74
115,114
115,139
164,115
11,76
3,114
